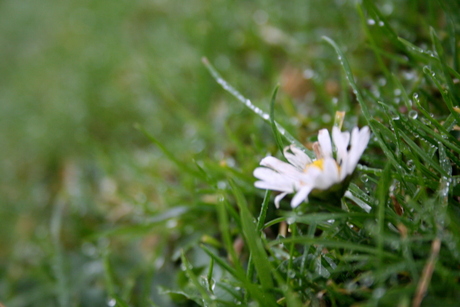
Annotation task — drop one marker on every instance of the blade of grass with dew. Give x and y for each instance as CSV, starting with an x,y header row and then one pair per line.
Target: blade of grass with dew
x,y
194,279
276,134
375,13
415,148
253,290
210,274
447,97
110,282
373,45
435,137
453,91
379,130
260,225
382,194
323,217
223,264
63,291
404,95
225,231
252,236
226,86
337,244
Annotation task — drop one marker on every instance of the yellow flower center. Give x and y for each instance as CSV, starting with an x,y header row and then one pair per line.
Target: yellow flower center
x,y
317,163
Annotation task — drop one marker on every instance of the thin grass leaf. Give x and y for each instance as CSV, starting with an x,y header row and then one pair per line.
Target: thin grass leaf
x,y
422,154
194,279
379,130
252,236
334,244
446,96
404,95
225,231
274,222
382,194
453,91
383,23
110,282
260,226
323,217
373,45
276,134
63,291
420,55
223,264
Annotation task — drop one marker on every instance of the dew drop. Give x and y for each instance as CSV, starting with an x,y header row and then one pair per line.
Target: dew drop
x,y
364,178
381,24
410,165
111,302
291,274
413,114
371,22
397,92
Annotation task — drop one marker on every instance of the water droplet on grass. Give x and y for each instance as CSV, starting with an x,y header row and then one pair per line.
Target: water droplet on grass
x,y
410,165
371,22
413,114
111,302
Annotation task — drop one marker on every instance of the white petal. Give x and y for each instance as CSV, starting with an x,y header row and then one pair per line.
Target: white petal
x,y
278,198
300,196
271,180
280,187
296,157
329,176
324,141
341,141
359,141
267,174
278,165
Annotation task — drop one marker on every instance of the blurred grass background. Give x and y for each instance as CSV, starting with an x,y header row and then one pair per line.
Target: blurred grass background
x,y
76,76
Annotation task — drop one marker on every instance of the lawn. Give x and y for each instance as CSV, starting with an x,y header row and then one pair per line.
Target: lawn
x,y
130,132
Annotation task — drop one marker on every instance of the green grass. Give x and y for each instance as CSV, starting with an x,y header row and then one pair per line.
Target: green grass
x,y
127,162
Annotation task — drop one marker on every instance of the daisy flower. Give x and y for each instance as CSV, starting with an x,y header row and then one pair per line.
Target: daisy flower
x,y
302,175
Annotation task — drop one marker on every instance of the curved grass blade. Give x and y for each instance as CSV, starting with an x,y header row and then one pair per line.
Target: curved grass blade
x,y
252,236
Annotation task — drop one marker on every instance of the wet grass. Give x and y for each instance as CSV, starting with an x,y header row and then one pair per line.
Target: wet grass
x,y
127,163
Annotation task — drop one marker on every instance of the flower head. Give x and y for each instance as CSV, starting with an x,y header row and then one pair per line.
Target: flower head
x,y
303,175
